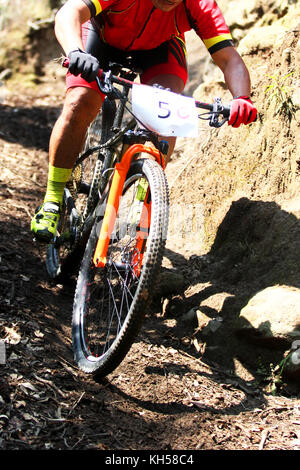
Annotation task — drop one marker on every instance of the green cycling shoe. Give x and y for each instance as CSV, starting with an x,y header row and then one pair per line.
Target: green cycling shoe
x,y
45,220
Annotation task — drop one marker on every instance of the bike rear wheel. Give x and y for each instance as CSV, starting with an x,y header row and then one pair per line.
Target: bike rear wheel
x,y
59,252
110,302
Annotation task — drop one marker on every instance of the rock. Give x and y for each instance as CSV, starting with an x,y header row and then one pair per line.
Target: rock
x,y
190,316
212,326
204,323
170,283
291,368
241,14
261,38
274,314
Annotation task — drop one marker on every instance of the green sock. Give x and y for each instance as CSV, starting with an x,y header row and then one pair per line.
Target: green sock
x,y
57,179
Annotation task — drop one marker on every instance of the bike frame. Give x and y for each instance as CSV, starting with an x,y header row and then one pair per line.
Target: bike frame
x,y
121,169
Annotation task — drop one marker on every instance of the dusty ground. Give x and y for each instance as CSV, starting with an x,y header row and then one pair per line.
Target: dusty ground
x,y
175,390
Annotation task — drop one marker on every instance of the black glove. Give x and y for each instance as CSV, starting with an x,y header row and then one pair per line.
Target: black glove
x,y
83,63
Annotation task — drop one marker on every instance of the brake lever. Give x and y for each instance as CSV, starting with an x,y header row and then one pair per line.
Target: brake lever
x,y
218,109
105,84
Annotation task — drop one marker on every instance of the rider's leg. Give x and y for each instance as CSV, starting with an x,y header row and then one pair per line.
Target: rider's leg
x,y
80,108
176,84
82,103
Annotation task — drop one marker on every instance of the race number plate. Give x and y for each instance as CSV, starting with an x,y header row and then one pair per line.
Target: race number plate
x,y
165,112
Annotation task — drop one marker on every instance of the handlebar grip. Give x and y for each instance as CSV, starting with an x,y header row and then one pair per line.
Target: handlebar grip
x,y
66,62
226,111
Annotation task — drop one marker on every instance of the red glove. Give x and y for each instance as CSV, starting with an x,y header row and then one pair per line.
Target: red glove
x,y
242,111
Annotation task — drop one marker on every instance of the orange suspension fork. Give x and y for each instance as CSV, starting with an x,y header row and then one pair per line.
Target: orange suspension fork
x,y
115,193
142,235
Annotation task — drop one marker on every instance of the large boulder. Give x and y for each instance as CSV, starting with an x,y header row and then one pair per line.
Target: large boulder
x,y
274,313
262,38
272,319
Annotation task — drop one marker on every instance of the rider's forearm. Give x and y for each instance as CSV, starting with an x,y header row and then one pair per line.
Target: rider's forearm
x,y
237,79
68,23
235,72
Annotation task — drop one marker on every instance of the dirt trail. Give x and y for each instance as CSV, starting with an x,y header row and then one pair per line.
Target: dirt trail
x,y
166,395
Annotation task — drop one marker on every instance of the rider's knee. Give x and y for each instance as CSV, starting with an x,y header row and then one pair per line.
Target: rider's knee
x,y
81,104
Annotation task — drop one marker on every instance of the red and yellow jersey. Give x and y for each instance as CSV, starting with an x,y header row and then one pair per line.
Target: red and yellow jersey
x,y
138,25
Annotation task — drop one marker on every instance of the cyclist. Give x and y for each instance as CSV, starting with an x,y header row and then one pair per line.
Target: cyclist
x,y
151,34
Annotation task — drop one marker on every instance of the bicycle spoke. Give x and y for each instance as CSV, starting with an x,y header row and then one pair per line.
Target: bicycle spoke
x,y
112,304
110,301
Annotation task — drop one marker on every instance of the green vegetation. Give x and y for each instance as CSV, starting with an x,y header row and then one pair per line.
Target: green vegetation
x,y
280,94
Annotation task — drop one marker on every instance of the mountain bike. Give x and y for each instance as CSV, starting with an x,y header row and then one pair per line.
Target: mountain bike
x,y
114,222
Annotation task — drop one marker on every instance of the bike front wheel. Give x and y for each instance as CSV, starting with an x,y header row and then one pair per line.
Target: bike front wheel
x,y
110,302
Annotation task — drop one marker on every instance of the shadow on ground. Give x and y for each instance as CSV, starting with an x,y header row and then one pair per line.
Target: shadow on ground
x,y
256,246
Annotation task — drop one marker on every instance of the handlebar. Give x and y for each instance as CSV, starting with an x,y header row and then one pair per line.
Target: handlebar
x,y
215,110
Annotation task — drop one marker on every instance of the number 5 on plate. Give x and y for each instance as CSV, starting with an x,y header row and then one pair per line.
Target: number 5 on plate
x,y
165,112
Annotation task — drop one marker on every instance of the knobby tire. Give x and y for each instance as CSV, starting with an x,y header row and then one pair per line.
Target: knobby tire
x,y
110,304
